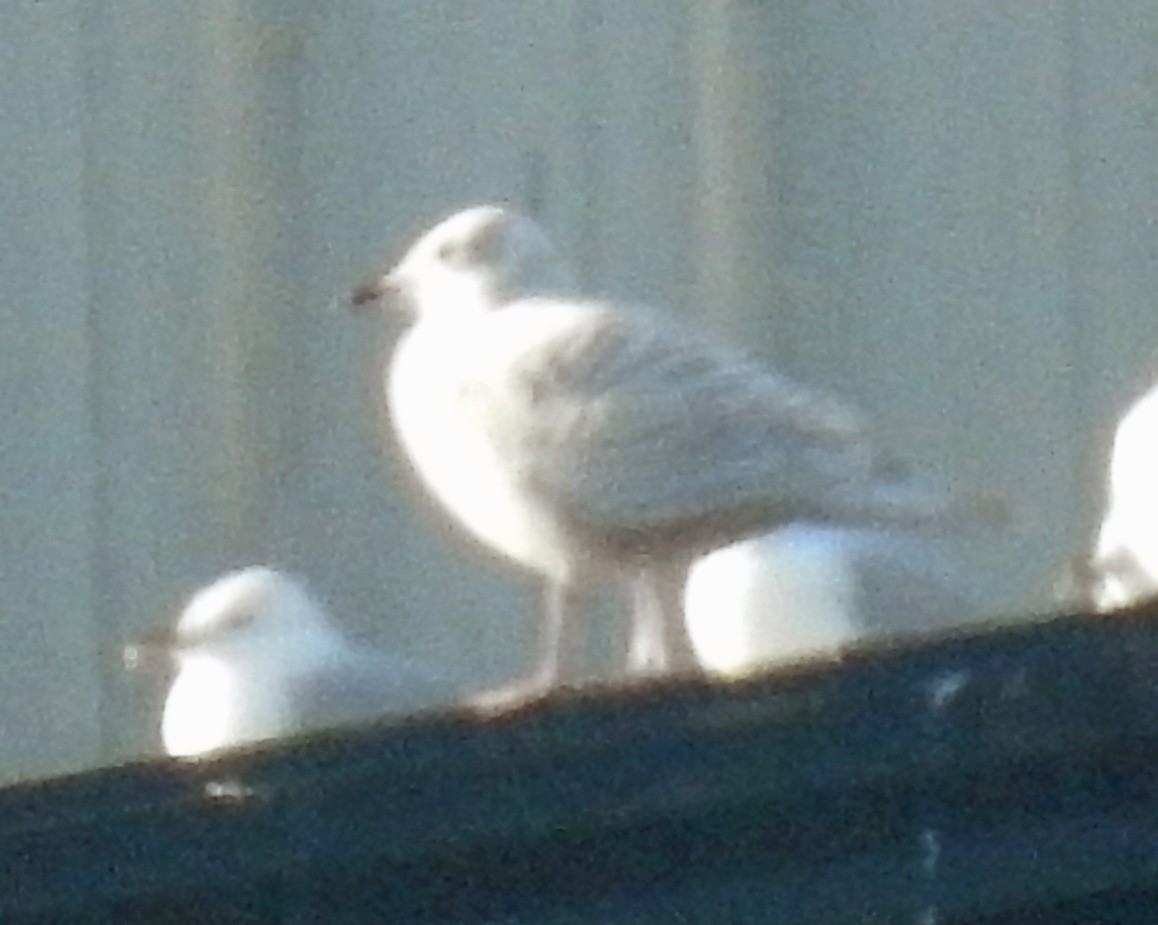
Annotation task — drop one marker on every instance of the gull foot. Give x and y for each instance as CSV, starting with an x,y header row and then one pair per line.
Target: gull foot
x,y
510,696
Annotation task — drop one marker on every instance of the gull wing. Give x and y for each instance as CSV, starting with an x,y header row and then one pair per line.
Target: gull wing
x,y
635,427
361,687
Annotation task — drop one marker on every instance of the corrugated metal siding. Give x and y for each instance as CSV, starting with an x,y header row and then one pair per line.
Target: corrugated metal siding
x,y
944,212
49,681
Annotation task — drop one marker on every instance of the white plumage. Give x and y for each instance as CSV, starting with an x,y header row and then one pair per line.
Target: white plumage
x,y
813,590
1125,560
583,438
258,658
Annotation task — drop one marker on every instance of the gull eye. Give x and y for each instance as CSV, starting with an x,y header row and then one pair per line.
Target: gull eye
x,y
240,619
450,251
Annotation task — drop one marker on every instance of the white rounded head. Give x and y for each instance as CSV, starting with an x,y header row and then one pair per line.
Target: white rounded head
x,y
254,609
475,260
238,644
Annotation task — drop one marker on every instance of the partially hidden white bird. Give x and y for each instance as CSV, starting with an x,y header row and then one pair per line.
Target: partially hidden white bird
x,y
1124,564
811,590
583,438
257,658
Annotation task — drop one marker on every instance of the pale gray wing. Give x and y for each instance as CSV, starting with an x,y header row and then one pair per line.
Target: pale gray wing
x,y
365,687
904,584
631,423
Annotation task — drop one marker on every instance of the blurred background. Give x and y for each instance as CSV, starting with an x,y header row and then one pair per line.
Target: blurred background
x,y
944,212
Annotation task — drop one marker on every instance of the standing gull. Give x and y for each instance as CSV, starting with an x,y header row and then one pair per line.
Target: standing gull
x,y
1124,565
258,658
582,438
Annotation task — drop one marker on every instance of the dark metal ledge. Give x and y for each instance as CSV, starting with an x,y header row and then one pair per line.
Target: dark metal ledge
x,y
1005,776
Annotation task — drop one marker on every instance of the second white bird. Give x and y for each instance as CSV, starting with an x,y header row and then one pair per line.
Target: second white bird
x,y
258,658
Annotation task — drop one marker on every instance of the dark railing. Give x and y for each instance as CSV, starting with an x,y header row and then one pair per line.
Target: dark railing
x,y
1005,776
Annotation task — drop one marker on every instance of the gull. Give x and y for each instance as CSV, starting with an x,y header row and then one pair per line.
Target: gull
x,y
1124,566
258,658
811,590
583,438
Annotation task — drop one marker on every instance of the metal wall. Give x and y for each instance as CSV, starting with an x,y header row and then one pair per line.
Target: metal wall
x,y
943,211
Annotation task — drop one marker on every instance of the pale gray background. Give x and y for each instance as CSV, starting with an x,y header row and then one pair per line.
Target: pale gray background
x,y
943,210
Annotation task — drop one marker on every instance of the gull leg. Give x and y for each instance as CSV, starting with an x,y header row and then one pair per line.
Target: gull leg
x,y
559,652
647,654
660,643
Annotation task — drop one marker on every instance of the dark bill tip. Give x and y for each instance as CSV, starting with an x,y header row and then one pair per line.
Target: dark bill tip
x,y
366,294
387,290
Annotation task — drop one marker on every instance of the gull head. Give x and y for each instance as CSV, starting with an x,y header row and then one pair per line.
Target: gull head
x,y
476,260
253,614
